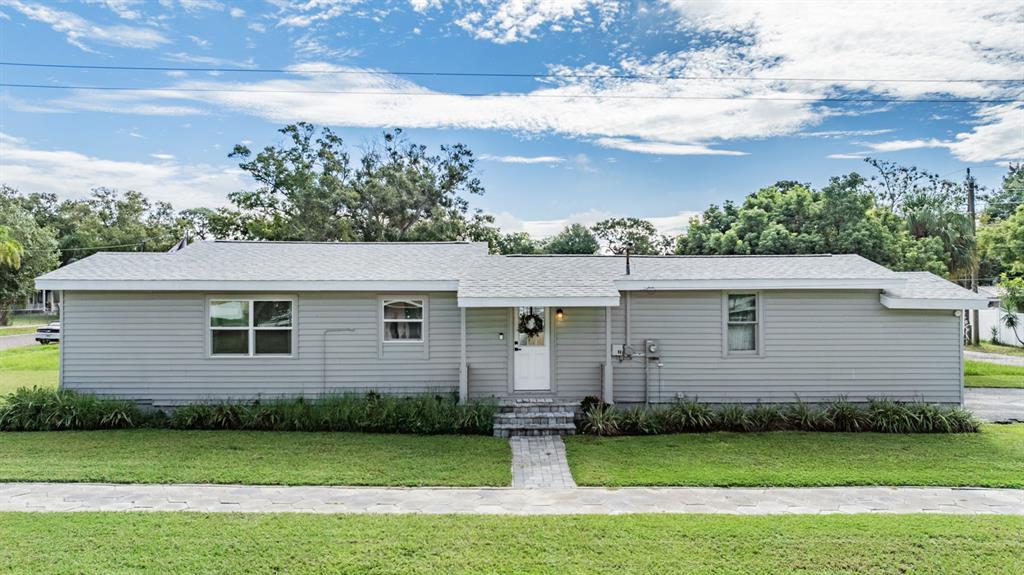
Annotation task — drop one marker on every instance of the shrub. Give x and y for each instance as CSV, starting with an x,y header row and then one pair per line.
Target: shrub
x,y
639,421
690,415
733,418
888,416
45,409
601,419
842,415
765,417
804,417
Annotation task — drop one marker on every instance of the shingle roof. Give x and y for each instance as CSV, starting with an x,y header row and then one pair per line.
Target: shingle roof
x,y
282,261
926,285
477,276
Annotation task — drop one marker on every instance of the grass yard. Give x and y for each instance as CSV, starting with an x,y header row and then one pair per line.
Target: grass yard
x,y
26,323
992,458
989,347
254,457
985,374
34,365
114,543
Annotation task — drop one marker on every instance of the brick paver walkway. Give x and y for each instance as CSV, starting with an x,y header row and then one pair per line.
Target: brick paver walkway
x,y
506,501
539,462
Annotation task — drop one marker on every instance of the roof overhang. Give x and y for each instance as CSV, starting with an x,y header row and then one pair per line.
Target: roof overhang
x,y
935,303
246,285
757,284
596,301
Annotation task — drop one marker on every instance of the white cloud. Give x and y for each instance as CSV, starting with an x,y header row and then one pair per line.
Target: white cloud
x,y
162,156
424,5
202,43
854,156
520,20
309,12
237,12
208,60
79,31
844,133
664,148
123,8
902,145
73,174
522,159
671,225
308,46
258,27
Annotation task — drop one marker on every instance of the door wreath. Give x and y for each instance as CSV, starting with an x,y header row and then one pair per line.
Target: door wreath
x,y
531,324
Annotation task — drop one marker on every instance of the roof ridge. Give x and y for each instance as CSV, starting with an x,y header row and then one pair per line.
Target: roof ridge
x,y
339,242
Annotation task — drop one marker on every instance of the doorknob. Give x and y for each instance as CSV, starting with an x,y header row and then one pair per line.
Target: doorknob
x,y
517,348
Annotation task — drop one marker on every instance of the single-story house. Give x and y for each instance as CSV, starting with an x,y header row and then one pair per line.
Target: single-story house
x,y
245,320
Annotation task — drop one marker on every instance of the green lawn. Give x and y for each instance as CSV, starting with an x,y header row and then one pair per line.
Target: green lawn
x,y
34,365
254,457
989,347
116,543
992,458
984,374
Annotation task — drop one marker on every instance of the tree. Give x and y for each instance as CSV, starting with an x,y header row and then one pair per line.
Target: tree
x,y
308,190
1011,292
38,254
637,235
1004,202
516,243
10,249
1003,242
107,220
574,239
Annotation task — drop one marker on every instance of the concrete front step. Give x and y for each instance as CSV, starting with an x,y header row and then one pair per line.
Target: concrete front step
x,y
536,406
519,429
538,418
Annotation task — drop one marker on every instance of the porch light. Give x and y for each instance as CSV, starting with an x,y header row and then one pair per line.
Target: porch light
x,y
559,314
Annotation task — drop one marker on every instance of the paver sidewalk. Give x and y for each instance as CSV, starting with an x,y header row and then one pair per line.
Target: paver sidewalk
x,y
539,462
505,501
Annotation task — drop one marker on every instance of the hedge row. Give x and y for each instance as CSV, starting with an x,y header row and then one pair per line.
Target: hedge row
x,y
43,410
686,415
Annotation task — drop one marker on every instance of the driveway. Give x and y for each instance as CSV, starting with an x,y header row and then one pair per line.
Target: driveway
x,y
9,341
1017,360
998,405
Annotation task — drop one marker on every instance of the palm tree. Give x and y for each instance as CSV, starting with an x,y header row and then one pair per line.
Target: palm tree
x,y
10,249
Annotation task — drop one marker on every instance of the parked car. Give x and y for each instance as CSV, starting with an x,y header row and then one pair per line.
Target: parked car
x,y
48,333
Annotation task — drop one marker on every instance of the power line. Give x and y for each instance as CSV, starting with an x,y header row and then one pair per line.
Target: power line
x,y
512,95
549,75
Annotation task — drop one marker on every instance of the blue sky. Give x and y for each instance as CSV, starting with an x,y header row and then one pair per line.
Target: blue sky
x,y
661,107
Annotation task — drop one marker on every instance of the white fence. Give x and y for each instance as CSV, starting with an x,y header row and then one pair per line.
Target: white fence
x,y
989,318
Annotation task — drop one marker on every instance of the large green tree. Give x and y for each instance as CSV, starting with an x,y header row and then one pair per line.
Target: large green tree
x,y
1003,202
574,239
308,189
637,235
38,253
1003,242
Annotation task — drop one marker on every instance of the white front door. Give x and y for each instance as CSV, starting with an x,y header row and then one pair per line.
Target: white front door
x,y
532,352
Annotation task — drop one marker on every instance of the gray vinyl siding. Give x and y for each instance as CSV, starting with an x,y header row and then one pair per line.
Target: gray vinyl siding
x,y
579,351
487,353
153,347
818,345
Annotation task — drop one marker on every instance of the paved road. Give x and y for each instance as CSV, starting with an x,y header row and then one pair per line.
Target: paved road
x,y
1017,360
992,404
9,341
505,501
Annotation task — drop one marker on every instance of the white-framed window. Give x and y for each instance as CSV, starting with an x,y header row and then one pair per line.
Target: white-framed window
x,y
403,319
742,324
256,327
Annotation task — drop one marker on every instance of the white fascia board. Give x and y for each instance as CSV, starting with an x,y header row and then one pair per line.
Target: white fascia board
x,y
757,284
933,303
247,285
598,301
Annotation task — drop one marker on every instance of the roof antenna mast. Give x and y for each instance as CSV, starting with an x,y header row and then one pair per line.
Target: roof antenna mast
x,y
629,246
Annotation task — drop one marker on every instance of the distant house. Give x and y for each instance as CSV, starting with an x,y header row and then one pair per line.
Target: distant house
x,y
245,320
990,321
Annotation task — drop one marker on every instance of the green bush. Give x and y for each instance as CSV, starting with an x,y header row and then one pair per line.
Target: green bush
x,y
884,416
39,410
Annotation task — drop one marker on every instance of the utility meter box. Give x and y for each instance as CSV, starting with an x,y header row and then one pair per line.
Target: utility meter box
x,y
652,349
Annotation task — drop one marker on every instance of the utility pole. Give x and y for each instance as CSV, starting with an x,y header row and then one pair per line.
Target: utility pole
x,y
975,328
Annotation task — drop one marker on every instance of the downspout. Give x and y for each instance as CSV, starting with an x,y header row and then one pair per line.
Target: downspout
x,y
323,356
63,339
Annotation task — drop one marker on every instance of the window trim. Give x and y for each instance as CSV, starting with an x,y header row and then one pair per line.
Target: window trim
x,y
252,329
424,303
758,350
